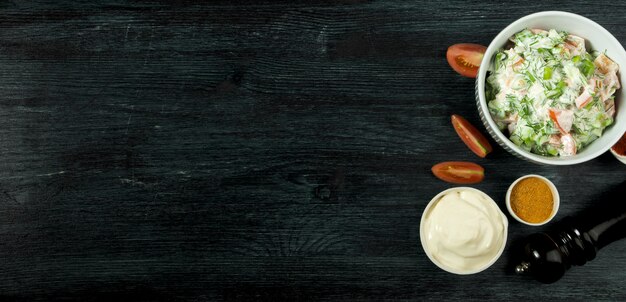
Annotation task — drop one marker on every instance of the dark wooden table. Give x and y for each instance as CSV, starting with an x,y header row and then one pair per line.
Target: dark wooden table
x,y
265,150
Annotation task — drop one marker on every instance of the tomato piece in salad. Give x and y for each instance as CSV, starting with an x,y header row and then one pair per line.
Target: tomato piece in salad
x,y
563,119
471,136
465,58
459,172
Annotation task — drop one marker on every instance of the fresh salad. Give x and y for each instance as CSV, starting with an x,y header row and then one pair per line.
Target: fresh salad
x,y
550,94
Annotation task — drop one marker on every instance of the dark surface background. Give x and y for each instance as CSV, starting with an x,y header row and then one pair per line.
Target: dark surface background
x,y
169,150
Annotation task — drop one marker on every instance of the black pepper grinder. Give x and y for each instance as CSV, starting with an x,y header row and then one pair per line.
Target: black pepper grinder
x,y
575,240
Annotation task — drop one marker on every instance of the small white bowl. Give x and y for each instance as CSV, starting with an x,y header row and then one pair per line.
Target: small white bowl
x,y
555,198
598,39
621,158
450,269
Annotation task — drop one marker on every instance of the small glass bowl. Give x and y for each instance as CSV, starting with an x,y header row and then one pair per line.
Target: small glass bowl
x,y
555,199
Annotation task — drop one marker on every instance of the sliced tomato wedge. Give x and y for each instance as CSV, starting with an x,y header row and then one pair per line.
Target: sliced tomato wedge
x,y
471,136
465,58
459,172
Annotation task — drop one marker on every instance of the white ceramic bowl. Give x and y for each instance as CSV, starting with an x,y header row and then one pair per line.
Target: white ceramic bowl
x,y
423,232
555,197
597,38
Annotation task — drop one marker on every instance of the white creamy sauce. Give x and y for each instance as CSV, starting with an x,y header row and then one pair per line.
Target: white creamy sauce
x,y
464,230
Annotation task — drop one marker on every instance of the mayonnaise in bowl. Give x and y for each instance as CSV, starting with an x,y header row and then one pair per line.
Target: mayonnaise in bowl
x,y
463,231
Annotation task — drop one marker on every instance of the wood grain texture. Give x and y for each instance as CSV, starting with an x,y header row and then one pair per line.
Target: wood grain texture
x,y
254,150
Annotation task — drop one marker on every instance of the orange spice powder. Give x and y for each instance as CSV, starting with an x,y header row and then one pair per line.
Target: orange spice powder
x,y
532,200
